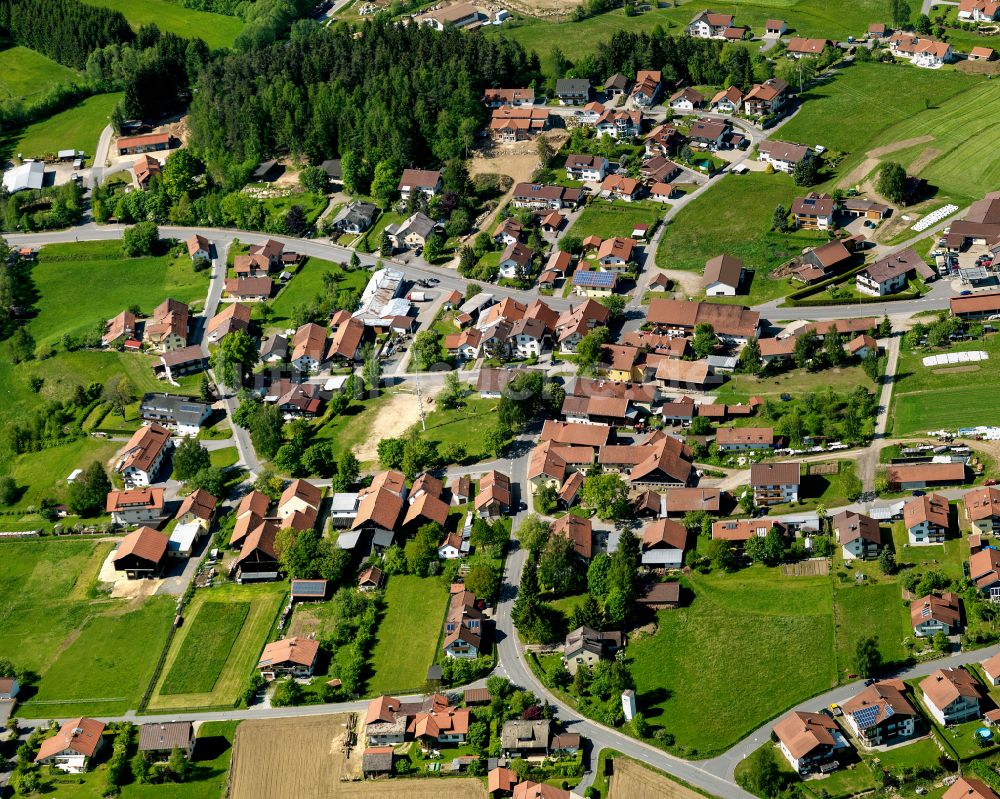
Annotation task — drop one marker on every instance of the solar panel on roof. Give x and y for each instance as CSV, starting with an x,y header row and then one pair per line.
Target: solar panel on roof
x,y
309,587
865,717
585,277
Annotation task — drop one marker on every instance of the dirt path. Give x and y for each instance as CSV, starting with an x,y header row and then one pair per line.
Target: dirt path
x,y
922,160
687,281
400,412
885,149
862,170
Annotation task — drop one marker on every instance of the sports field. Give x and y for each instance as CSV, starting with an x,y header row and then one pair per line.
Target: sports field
x,y
414,613
105,669
231,666
217,30
76,128
689,679
25,73
206,648
81,284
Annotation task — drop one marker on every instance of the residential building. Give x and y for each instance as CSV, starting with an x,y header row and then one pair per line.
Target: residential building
x,y
593,168
920,51
198,507
647,87
723,275
459,15
881,715
890,273
991,668
258,558
516,261
798,47
936,613
412,233
620,187
728,101
167,329
687,99
494,497
619,123
149,142
510,124
978,10
538,196
120,330
143,455
709,25
926,519
135,506
809,741
616,254
442,725
235,316
426,181
969,788
463,626
775,27
249,289
356,217
573,91
680,317
664,542
182,415
158,741
524,739
952,696
737,439
814,211
858,535
578,530
775,483
289,657
586,647
782,156
494,98
984,571
141,554
617,85
982,506
766,98
74,746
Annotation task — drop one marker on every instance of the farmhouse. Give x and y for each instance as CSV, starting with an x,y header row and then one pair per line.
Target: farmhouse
x,y
926,519
167,329
709,25
881,714
680,317
258,558
775,483
736,439
289,657
906,477
664,543
859,536
808,740
952,695
119,330
72,748
141,553
936,613
135,506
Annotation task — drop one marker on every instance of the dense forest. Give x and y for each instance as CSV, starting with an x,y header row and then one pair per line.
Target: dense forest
x,y
64,30
389,92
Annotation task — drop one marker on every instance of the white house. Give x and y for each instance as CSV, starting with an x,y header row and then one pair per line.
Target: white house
x,y
664,542
709,25
72,748
935,613
143,455
135,506
926,519
859,536
781,155
951,696
808,740
775,483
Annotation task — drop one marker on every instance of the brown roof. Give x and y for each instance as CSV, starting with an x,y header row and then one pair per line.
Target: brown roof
x,y
255,502
575,433
723,269
121,325
931,508
661,593
982,503
235,316
145,543
200,503
380,506
664,531
802,732
977,303
969,788
142,141
933,607
883,695
259,539
300,651
782,151
419,179
895,264
309,341
249,286
81,735
429,507
134,498
673,371
992,666
494,486
851,526
501,779
927,472
726,320
984,567
944,686
769,474
577,530
744,435
302,490
144,447
168,735
741,529
681,500
197,242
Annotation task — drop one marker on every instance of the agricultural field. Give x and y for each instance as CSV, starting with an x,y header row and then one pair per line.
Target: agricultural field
x,y
415,608
25,74
217,30
686,678
106,669
804,17
112,284
307,284
632,780
227,675
78,128
934,398
206,648
605,219
738,209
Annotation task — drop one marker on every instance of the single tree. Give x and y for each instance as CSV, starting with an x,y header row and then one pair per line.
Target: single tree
x,y
867,658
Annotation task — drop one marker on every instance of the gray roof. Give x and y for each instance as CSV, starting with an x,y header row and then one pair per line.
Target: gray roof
x,y
358,214
182,410
275,344
169,735
519,734
332,168
572,86
419,223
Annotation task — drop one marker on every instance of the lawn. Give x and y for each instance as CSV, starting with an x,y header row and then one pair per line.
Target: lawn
x,y
217,30
794,382
948,558
415,608
829,490
931,398
25,73
307,284
463,426
688,680
81,284
738,211
350,428
105,670
276,208
42,474
606,219
862,610
206,648
76,128
221,458
914,755
242,652
866,102
805,18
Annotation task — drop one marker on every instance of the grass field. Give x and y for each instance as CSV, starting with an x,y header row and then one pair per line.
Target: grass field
x,y
105,670
76,128
206,648
221,458
415,613
797,381
463,426
307,284
932,398
805,18
688,680
25,73
632,780
864,610
80,284
605,219
43,474
264,600
217,30
738,211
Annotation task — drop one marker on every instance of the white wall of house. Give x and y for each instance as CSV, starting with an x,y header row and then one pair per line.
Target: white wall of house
x,y
924,534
